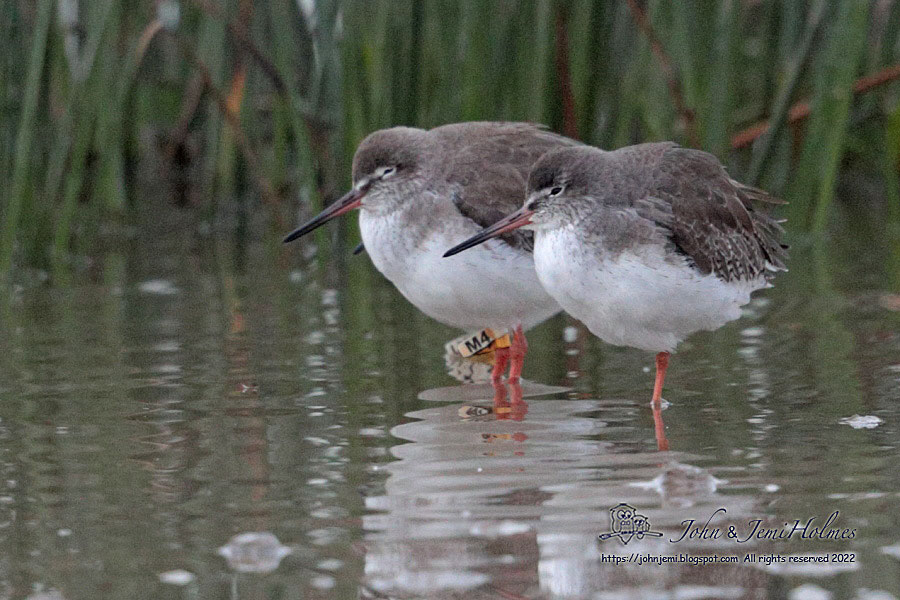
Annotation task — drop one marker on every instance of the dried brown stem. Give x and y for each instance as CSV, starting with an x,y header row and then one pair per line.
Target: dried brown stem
x,y
563,75
144,41
231,118
802,109
195,88
669,71
318,137
239,32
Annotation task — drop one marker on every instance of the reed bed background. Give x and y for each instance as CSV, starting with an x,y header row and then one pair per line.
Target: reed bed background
x,y
224,105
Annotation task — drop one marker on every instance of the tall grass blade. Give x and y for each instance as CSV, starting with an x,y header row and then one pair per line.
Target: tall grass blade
x,y
763,148
25,136
835,70
720,89
891,166
80,120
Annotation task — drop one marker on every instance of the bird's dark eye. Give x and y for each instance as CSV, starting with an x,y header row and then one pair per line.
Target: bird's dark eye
x,y
556,191
388,171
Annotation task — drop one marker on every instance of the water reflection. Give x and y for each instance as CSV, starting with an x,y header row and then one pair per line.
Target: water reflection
x,y
510,500
188,397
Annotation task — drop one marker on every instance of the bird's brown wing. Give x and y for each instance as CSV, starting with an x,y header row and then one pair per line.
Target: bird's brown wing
x,y
487,169
711,218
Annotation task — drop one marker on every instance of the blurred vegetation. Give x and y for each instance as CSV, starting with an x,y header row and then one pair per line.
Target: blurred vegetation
x,y
225,103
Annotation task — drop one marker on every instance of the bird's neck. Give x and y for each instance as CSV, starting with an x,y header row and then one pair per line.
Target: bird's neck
x,y
401,198
402,222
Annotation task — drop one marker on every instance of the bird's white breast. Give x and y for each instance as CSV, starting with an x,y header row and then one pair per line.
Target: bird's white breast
x,y
638,297
492,285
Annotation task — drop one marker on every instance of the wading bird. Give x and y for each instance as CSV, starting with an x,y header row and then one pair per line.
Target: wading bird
x,y
421,191
646,244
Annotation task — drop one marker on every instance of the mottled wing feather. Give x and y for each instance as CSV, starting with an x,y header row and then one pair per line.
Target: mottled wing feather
x,y
711,218
487,174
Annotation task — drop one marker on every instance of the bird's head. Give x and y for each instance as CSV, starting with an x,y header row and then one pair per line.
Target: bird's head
x,y
384,170
560,184
558,191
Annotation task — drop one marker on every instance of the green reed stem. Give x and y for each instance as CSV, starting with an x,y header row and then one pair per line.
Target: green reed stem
x,y
25,136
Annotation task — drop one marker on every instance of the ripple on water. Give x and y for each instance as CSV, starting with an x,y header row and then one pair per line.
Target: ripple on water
x,y
148,418
862,421
254,552
468,491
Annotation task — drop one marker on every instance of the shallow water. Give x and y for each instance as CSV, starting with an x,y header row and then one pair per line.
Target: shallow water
x,y
182,390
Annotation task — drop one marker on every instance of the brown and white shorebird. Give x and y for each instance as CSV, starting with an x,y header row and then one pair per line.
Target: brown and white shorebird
x,y
646,244
421,191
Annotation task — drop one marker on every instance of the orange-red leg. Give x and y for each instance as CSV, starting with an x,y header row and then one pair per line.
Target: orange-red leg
x,y
662,363
501,357
518,350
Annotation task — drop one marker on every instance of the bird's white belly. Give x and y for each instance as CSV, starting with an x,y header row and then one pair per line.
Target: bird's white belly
x,y
635,298
492,285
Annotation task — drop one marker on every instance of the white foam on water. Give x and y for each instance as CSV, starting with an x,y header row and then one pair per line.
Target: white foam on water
x,y
862,421
177,577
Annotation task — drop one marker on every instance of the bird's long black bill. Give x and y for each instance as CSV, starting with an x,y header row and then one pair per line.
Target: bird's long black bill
x,y
507,223
345,203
